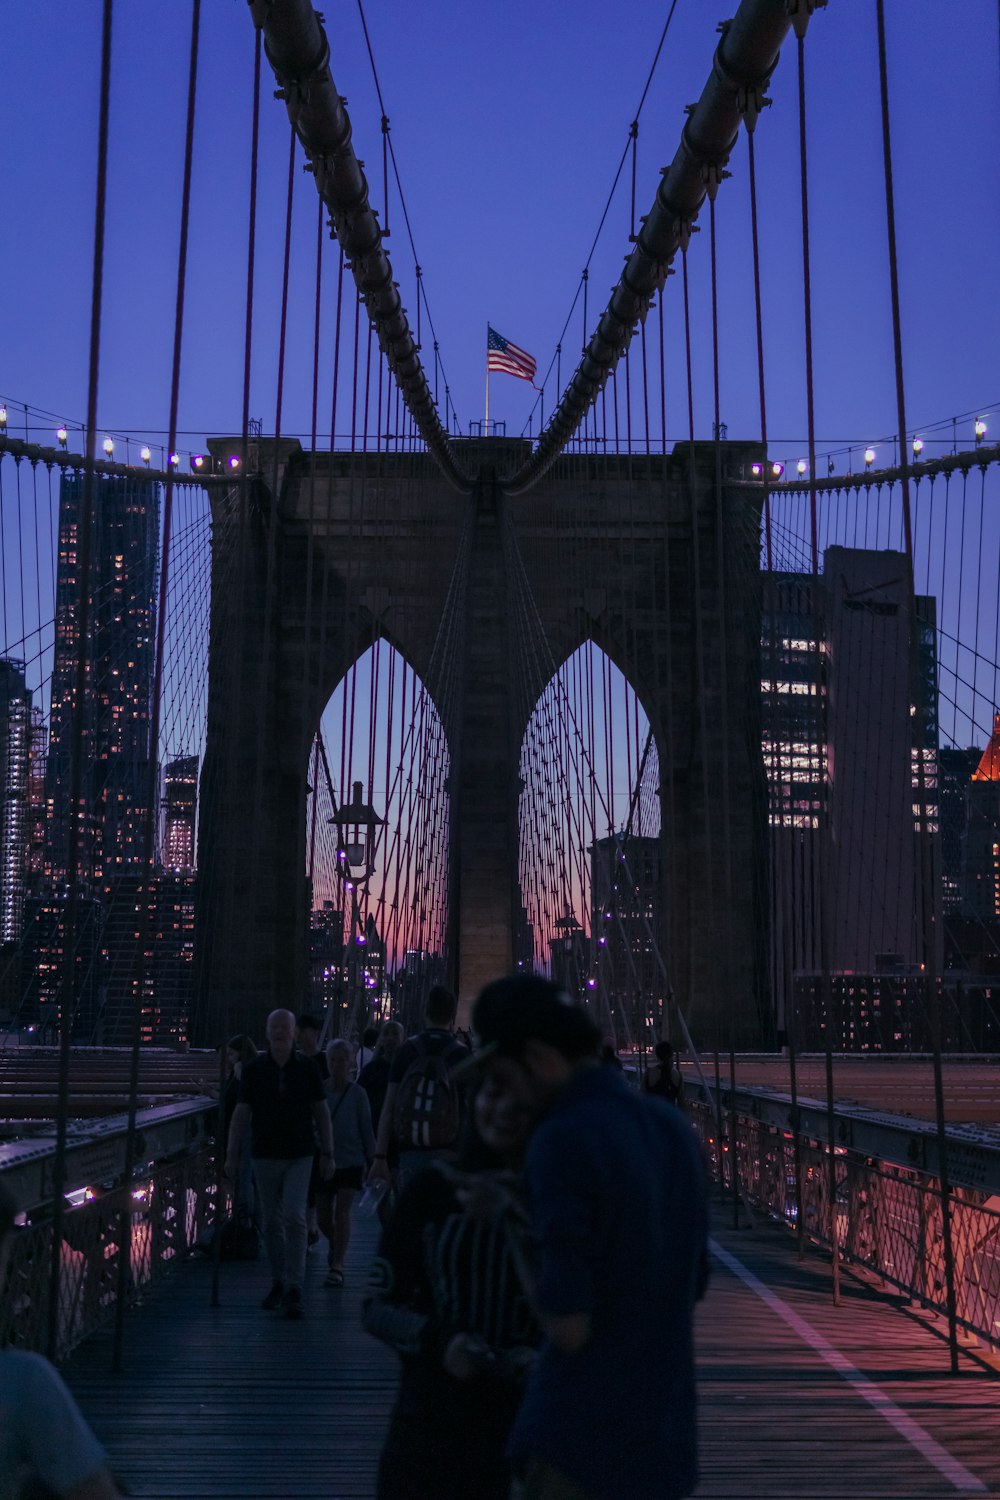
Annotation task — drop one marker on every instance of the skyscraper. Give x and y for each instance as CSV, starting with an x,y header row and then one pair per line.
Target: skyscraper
x,y
981,882
955,770
850,737
180,808
115,713
37,759
114,722
15,751
626,902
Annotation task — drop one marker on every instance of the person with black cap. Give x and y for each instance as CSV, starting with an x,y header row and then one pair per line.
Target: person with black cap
x,y
616,1195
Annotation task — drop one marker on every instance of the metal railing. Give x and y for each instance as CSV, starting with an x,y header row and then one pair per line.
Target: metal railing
x,y
887,1218
155,1219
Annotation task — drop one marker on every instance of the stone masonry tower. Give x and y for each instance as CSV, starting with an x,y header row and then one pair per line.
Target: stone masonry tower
x,y
315,554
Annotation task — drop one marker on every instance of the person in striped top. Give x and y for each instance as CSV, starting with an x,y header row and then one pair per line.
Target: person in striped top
x,y
449,1292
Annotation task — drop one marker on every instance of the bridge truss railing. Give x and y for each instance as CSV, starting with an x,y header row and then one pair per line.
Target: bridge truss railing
x,y
154,1218
886,1217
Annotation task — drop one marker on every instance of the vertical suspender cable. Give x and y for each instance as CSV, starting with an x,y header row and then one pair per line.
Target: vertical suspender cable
x,y
152,799
822,830
266,677
723,638
774,769
760,340
67,1007
925,876
304,891
243,493
251,240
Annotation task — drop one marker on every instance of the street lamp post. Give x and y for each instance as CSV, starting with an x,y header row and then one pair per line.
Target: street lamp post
x,y
357,823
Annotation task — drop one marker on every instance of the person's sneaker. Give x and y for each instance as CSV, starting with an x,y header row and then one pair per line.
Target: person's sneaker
x,y
273,1298
291,1303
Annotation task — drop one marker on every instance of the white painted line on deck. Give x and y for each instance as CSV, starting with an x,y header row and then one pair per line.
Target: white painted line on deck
x,y
955,1473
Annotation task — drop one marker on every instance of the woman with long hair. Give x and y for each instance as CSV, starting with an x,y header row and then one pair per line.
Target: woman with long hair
x,y
448,1293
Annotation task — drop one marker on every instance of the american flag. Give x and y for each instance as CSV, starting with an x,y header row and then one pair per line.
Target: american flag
x,y
501,354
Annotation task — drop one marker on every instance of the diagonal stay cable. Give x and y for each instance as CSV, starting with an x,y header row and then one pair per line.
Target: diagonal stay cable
x,y
421,292
744,60
299,54
626,151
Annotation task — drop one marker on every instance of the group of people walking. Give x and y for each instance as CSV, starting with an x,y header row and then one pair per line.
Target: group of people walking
x,y
545,1248
538,1267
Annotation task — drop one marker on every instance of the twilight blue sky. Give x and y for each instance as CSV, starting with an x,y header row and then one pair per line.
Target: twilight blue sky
x,y
508,122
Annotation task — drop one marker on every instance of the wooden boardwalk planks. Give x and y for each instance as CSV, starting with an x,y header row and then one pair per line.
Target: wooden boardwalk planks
x,y
233,1402
777,1420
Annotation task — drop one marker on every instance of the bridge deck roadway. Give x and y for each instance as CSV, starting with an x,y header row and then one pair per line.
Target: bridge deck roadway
x,y
799,1399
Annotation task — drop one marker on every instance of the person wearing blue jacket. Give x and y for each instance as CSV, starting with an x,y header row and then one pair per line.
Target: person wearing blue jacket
x,y
615,1187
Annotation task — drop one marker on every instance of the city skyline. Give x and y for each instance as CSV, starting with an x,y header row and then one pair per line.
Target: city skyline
x,y
947,349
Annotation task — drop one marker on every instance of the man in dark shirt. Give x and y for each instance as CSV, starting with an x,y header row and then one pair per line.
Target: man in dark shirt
x,y
439,1040
281,1099
616,1193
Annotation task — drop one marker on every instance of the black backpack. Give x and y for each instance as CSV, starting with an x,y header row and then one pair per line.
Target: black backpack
x,y
240,1239
428,1109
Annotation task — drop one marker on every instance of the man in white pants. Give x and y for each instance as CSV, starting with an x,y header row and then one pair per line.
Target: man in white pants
x,y
281,1099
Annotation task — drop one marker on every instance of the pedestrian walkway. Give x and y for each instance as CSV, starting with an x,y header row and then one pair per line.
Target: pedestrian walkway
x,y
798,1398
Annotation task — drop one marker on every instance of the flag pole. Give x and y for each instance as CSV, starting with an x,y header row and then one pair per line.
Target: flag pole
x,y
486,432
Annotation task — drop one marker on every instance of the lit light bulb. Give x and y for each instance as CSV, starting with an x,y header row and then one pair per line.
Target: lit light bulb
x,y
777,469
918,447
145,455
197,460
756,470
981,429
234,461
62,435
3,419
109,446
800,467
869,457
174,460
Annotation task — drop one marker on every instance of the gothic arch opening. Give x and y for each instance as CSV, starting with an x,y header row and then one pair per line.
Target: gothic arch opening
x,y
591,868
377,846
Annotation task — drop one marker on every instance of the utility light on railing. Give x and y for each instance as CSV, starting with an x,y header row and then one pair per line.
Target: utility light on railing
x,y
234,461
109,446
145,455
756,470
777,469
173,460
62,437
3,419
800,467
869,457
197,461
981,430
918,447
